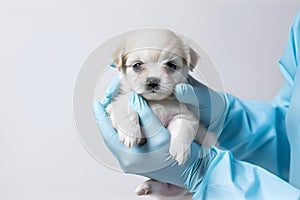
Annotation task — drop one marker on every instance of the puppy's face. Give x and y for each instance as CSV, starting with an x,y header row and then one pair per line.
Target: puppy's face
x,y
153,61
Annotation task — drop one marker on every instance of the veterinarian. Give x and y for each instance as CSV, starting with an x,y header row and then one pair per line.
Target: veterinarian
x,y
262,140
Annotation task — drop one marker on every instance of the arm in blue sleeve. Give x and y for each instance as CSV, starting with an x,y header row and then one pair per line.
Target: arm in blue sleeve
x,y
289,65
267,130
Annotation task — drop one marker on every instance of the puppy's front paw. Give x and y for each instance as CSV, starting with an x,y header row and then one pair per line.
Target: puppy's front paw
x,y
131,137
179,150
143,189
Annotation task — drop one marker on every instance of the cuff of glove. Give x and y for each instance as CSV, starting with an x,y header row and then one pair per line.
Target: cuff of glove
x,y
211,177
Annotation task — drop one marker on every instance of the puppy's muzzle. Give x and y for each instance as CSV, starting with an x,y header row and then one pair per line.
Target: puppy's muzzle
x,y
152,83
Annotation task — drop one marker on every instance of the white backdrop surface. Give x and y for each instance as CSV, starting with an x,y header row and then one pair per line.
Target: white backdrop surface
x,y
43,45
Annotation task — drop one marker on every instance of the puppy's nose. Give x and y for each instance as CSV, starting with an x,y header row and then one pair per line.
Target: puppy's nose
x,y
152,83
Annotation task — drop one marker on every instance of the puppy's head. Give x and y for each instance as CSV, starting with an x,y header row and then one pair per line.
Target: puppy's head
x,y
153,61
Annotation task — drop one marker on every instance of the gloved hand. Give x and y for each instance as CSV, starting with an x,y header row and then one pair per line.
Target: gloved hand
x,y
151,159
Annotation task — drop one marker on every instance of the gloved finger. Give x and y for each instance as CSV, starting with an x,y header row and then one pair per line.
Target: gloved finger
x,y
110,135
112,63
210,104
207,97
156,134
111,91
185,93
107,130
194,82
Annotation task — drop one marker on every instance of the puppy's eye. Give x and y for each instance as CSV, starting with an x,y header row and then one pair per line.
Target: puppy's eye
x,y
137,66
171,66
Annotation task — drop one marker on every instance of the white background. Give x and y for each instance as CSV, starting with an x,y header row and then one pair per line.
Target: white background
x,y
43,45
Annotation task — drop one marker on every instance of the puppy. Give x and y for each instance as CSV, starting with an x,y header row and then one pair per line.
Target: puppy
x,y
151,62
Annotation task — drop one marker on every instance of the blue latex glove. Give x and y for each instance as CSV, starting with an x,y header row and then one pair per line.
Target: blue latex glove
x,y
289,64
152,159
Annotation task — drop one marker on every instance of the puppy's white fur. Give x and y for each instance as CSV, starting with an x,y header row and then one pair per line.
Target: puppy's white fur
x,y
151,63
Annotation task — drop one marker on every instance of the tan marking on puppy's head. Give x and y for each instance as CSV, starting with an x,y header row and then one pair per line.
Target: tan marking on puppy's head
x,y
191,58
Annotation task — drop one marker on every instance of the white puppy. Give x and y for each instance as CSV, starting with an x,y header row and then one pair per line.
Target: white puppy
x,y
151,62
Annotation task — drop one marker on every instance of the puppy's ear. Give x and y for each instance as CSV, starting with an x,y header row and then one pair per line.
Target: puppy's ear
x,y
192,58
119,58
